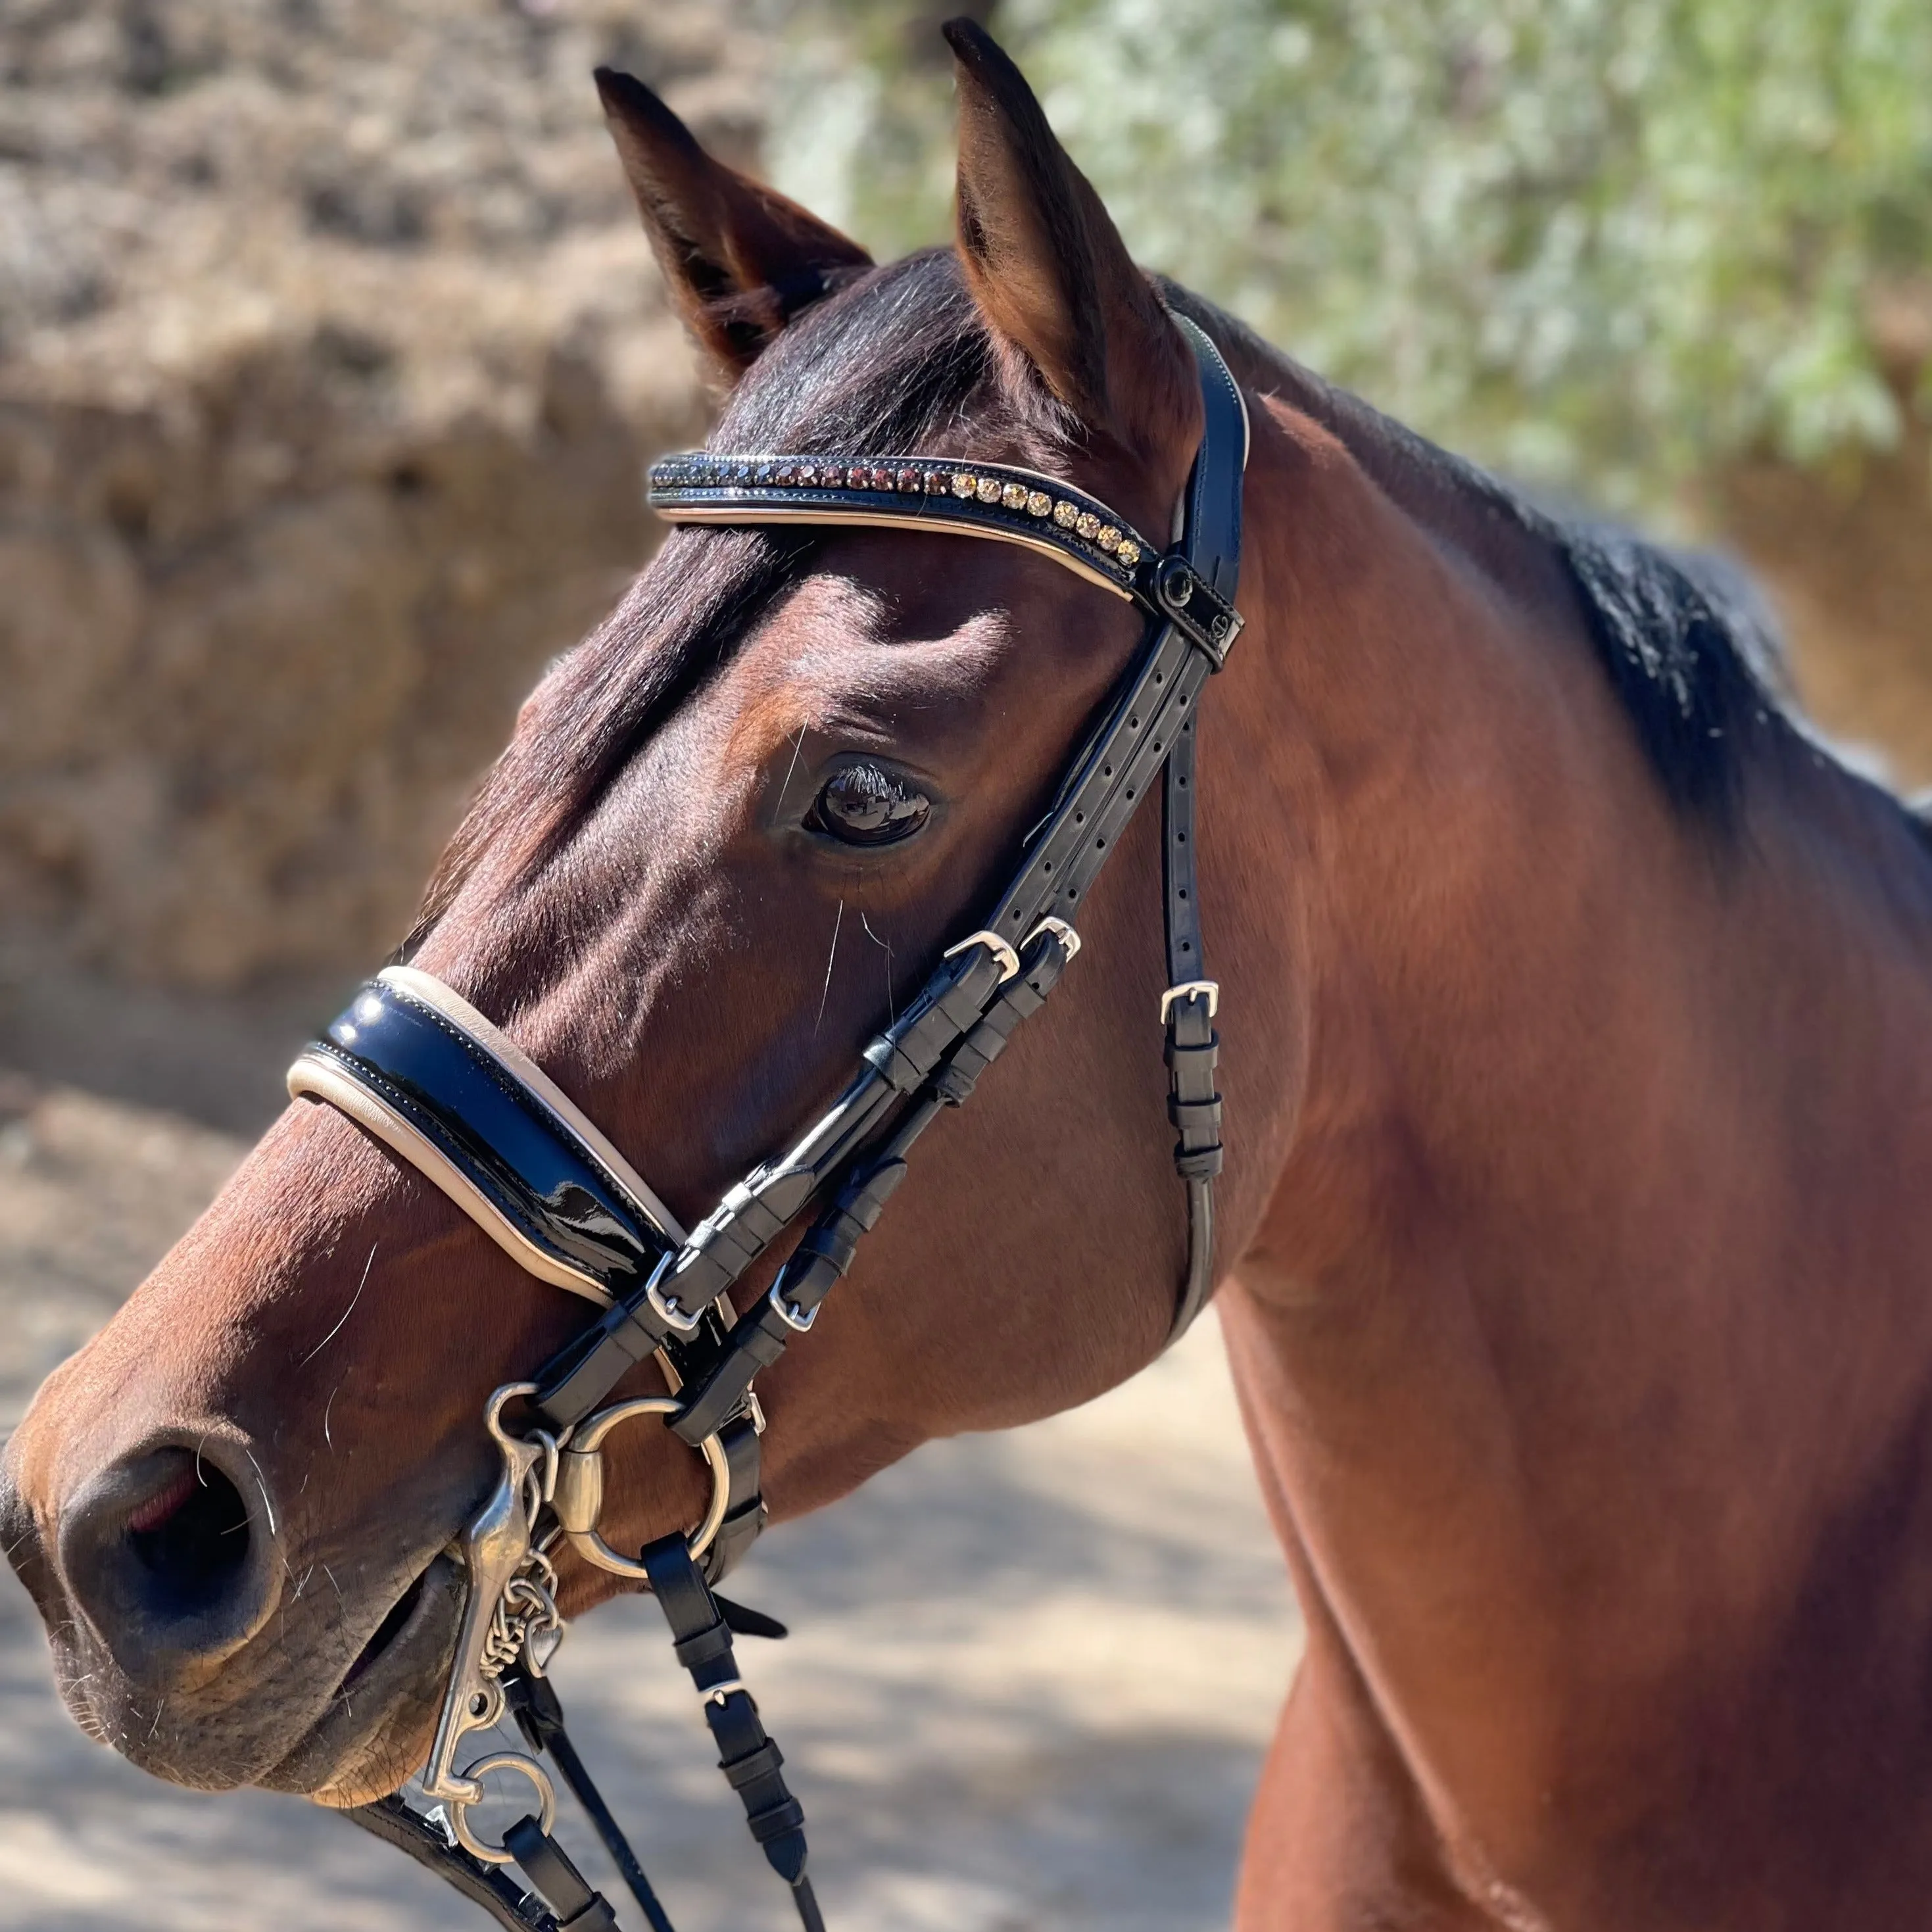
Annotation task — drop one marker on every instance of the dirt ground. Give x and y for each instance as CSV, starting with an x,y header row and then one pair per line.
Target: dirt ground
x,y
1030,1681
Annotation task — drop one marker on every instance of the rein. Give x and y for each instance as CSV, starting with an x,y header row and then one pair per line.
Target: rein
x,y
445,1089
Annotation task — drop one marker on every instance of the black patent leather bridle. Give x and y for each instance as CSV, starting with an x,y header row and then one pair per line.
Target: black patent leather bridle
x,y
445,1089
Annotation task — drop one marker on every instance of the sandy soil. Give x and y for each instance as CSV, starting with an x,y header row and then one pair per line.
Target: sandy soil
x,y
1031,1677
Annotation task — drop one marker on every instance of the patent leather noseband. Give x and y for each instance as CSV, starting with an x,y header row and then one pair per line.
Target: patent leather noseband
x,y
441,1086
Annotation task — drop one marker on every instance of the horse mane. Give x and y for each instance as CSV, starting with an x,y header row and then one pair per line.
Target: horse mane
x,y
1690,648
899,358
895,358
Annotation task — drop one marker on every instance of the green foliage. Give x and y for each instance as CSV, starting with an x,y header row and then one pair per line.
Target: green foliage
x,y
1606,243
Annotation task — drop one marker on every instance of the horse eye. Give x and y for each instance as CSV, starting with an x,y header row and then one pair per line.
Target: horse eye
x,y
863,805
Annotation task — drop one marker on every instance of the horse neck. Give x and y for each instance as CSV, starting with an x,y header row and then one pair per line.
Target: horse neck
x,y
1552,1271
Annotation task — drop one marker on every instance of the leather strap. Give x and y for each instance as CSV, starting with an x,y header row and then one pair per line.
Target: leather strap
x,y
487,1886
701,1639
533,1702
1192,1047
574,1904
535,1171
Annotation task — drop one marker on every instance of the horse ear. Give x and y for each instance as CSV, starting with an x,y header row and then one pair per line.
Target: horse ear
x,y
1049,271
741,260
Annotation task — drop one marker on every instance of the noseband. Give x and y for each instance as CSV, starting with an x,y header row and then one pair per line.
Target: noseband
x,y
445,1089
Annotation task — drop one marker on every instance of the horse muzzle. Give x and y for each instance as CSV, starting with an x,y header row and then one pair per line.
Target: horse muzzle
x,y
190,1634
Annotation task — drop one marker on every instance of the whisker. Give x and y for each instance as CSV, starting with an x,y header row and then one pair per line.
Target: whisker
x,y
797,748
887,945
831,959
267,1506
346,1313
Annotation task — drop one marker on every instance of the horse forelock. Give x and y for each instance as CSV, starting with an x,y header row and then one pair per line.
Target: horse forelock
x,y
897,358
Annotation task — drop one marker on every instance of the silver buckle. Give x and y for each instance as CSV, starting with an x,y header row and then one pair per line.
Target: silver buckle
x,y
663,1307
1061,930
1210,989
1009,960
799,1324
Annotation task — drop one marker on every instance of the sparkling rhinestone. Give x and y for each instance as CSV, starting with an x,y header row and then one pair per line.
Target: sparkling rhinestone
x,y
1129,553
1109,538
987,489
1038,502
908,480
963,482
1066,514
1014,496
857,479
935,482
805,475
882,479
1089,525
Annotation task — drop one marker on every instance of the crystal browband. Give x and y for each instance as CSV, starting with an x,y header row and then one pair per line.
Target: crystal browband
x,y
1012,505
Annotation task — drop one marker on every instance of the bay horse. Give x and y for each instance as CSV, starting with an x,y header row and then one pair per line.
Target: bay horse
x,y
1578,1056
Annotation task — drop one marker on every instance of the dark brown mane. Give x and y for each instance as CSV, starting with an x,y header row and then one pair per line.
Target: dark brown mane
x,y
1690,653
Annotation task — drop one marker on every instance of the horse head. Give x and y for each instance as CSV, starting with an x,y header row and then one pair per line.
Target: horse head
x,y
734,833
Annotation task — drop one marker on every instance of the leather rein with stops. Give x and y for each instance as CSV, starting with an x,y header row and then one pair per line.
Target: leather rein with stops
x,y
440,1084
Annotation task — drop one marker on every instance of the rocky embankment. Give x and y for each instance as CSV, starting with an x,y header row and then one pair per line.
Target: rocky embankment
x,y
330,350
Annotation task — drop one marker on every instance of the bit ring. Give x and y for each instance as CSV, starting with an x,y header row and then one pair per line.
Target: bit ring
x,y
458,1810
578,1498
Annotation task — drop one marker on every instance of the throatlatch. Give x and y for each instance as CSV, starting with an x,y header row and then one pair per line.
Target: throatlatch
x,y
440,1084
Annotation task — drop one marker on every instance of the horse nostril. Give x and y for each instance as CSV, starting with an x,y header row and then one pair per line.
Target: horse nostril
x,y
191,1537
161,1554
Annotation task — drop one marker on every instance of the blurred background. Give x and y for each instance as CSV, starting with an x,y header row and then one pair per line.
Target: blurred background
x,y
330,355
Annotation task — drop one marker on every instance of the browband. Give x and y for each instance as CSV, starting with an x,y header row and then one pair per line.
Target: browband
x,y
920,493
